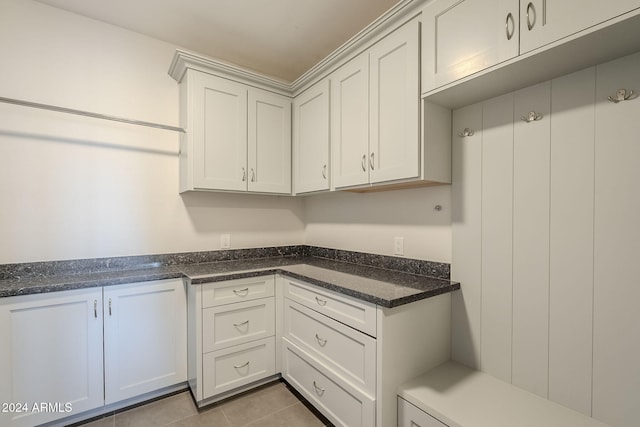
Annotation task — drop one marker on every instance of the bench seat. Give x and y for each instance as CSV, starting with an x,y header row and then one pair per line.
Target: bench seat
x,y
458,396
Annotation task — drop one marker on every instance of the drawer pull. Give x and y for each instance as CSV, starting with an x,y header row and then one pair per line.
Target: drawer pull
x,y
320,301
241,292
241,366
237,325
95,308
319,390
321,341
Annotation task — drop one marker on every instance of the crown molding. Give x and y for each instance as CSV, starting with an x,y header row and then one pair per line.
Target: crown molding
x,y
402,12
184,60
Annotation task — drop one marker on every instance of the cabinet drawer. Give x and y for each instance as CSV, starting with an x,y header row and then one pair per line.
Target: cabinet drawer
x,y
348,352
233,367
338,401
358,314
230,291
233,324
410,416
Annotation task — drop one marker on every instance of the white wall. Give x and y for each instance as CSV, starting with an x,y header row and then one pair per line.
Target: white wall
x,y
368,222
74,187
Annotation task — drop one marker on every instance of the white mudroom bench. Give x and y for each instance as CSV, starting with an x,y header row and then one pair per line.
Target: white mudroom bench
x,y
453,395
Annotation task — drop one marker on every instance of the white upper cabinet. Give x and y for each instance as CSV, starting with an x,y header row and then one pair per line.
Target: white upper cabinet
x,y
545,21
394,141
461,37
238,137
375,118
219,131
350,123
269,148
477,49
311,139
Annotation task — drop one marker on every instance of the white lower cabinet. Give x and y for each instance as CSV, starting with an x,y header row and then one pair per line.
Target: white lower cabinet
x,y
56,362
338,400
231,338
348,356
410,416
145,338
236,366
51,352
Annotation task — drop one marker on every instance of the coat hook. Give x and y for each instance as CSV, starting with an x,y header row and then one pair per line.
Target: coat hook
x,y
531,117
466,132
622,95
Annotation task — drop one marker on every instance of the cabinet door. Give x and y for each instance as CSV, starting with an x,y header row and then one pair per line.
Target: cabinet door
x,y
350,123
394,145
219,132
461,37
545,21
311,138
269,142
144,338
51,353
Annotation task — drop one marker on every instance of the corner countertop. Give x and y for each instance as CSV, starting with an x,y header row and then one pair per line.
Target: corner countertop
x,y
387,288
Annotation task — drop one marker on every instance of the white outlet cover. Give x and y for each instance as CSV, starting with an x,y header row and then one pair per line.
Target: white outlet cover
x,y
225,241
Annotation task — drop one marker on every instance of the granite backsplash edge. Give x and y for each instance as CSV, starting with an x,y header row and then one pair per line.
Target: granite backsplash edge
x,y
99,265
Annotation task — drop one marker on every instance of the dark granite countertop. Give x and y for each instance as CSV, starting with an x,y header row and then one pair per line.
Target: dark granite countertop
x,y
387,288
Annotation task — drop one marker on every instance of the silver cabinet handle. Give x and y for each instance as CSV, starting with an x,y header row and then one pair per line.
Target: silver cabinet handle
x,y
321,302
466,132
237,325
531,16
372,161
506,26
95,308
241,292
241,366
244,174
324,172
532,117
622,95
321,341
364,163
109,306
253,175
319,390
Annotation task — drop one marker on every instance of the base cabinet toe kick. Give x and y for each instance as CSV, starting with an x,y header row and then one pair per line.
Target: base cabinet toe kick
x,y
346,356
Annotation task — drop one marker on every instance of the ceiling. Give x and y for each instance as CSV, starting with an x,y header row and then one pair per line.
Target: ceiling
x,y
280,38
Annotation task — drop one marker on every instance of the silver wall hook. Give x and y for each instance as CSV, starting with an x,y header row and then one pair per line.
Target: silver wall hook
x,y
532,117
622,95
466,132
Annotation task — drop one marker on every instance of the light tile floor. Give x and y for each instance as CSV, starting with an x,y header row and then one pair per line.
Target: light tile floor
x,y
272,405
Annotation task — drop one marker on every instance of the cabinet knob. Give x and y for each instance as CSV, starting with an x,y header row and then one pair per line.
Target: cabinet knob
x,y
509,23
241,366
318,389
531,16
321,341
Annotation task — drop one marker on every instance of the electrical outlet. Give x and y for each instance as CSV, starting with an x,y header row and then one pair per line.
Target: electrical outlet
x,y
225,241
398,245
